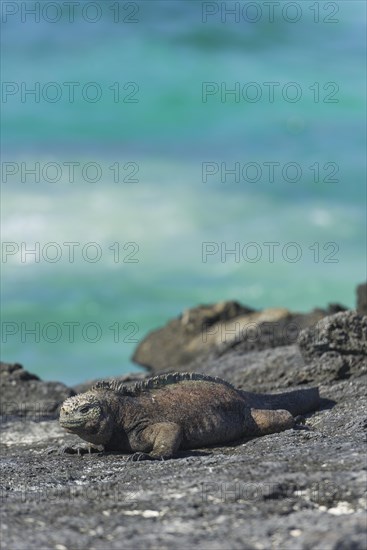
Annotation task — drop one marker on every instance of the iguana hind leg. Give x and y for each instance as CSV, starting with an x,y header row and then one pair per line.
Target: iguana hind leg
x,y
269,422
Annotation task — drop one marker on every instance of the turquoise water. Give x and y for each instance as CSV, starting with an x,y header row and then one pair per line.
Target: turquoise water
x,y
87,315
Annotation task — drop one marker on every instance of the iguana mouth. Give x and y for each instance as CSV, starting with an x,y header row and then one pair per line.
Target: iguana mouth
x,y
69,425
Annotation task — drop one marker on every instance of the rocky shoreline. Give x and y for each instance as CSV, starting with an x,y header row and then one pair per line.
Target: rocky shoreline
x,y
300,489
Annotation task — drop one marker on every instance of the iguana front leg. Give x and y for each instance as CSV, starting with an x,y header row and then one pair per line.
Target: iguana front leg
x,y
164,438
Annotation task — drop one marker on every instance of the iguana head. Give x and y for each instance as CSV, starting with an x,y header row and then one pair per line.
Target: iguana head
x,y
88,416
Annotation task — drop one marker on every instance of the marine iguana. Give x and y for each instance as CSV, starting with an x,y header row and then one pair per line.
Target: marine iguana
x,y
156,417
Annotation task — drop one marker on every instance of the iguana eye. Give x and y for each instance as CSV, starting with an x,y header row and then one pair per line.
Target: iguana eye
x,y
85,409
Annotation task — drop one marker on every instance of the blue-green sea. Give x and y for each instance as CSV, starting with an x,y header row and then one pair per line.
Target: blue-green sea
x,y
175,156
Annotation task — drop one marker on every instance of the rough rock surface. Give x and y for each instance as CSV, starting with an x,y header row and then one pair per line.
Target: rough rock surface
x,y
170,345
301,489
24,394
215,329
337,344
362,299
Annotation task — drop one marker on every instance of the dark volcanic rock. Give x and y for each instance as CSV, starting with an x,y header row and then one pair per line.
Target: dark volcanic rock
x,y
301,489
23,393
258,371
336,346
362,299
170,345
215,329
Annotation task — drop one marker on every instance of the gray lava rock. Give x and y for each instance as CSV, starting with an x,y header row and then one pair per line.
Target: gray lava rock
x,y
216,329
337,346
301,489
170,345
362,299
258,371
23,393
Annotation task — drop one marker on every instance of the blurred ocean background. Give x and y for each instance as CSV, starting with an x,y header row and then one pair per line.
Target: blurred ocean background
x,y
86,315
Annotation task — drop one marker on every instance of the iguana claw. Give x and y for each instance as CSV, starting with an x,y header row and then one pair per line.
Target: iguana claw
x,y
137,457
73,449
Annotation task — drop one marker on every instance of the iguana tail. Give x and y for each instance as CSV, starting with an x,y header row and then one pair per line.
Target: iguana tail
x,y
296,402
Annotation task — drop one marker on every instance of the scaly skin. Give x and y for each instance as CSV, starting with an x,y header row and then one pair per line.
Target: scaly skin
x,y
157,417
